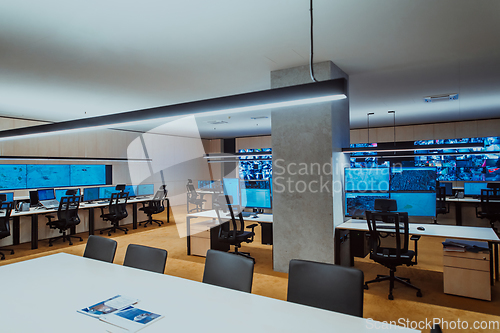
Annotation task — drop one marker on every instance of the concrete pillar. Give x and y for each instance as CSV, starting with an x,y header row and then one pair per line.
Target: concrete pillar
x,y
308,167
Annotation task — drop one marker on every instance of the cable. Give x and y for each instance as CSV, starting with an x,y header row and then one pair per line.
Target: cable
x,y
311,70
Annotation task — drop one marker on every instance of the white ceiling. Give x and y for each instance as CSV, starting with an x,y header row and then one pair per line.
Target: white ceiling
x,y
62,60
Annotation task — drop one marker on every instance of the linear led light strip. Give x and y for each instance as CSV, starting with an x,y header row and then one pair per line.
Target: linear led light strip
x,y
304,94
407,149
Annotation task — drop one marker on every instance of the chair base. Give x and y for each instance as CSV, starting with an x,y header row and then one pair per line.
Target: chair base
x,y
243,254
113,229
64,237
3,255
391,278
150,221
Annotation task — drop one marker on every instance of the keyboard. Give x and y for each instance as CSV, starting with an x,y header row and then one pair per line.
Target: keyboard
x,y
50,204
246,214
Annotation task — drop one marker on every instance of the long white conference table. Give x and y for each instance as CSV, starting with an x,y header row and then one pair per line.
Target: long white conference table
x,y
44,294
35,212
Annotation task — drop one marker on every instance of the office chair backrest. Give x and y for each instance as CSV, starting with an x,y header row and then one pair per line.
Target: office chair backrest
x,y
326,286
233,225
440,197
4,219
389,232
489,202
146,258
228,270
68,210
100,248
118,204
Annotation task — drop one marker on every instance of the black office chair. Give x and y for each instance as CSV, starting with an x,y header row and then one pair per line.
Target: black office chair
x,y
146,258
232,231
4,221
67,217
154,206
442,207
326,286
388,238
117,211
100,248
194,198
229,271
490,206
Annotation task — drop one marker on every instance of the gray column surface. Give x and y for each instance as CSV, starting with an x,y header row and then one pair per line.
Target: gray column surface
x,y
308,170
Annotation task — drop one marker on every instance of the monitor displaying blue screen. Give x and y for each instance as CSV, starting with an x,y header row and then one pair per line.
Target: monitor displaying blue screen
x,y
86,175
474,188
416,204
356,204
256,198
62,193
205,184
47,194
232,188
145,189
131,190
47,175
413,179
105,192
12,176
9,196
367,179
91,194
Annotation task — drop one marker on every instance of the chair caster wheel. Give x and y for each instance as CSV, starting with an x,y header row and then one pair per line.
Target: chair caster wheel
x,y
70,243
419,293
366,287
3,258
125,232
12,252
81,239
109,234
50,244
391,297
101,232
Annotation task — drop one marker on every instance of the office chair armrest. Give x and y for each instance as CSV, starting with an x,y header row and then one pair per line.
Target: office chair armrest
x,y
415,239
50,223
252,226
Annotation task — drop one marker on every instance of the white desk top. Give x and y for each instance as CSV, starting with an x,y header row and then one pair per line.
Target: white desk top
x,y
44,294
435,230
267,218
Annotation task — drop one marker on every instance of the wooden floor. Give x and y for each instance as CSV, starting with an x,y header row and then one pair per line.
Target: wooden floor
x,y
428,274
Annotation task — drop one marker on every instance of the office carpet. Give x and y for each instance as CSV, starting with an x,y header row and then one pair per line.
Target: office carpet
x,y
428,275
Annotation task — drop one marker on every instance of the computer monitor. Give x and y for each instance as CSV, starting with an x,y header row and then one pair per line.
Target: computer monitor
x,y
232,188
90,194
46,194
131,190
367,179
62,193
416,203
105,192
448,187
413,179
205,184
356,204
256,198
9,196
474,188
145,189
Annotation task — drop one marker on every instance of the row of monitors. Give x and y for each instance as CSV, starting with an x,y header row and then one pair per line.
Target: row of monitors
x,y
415,203
398,179
26,176
98,193
471,189
250,194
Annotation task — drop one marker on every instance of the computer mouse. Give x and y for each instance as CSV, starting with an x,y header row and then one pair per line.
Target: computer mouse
x,y
421,228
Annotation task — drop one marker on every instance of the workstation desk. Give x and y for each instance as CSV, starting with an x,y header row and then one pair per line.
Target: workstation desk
x,y
343,230
188,306
265,220
35,212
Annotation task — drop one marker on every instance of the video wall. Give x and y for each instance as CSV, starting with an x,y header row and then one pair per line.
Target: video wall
x,y
480,163
413,188
28,176
256,167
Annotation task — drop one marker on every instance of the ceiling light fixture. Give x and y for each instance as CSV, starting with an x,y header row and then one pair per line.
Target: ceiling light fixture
x,y
309,93
445,97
